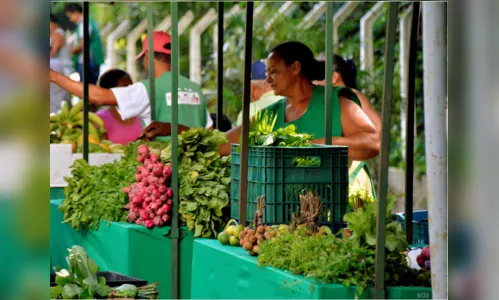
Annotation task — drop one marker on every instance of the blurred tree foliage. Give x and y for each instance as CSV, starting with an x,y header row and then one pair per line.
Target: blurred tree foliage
x,y
264,39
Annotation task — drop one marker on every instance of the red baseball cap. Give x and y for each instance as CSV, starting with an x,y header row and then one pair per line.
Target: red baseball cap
x,y
161,39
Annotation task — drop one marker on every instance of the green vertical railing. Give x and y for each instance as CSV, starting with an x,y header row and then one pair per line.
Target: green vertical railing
x,y
220,66
246,102
409,149
152,86
391,27
175,230
86,77
328,106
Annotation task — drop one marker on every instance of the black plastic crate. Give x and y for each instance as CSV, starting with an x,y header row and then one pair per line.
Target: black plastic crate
x,y
112,279
273,171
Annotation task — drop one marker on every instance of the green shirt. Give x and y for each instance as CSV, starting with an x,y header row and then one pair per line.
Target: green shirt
x,y
192,108
96,49
312,121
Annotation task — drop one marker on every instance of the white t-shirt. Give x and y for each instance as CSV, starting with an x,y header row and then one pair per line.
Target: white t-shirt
x,y
133,101
80,35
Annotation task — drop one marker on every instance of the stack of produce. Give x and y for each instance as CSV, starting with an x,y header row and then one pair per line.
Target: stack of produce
x,y
230,235
204,178
94,193
66,127
80,281
348,260
150,196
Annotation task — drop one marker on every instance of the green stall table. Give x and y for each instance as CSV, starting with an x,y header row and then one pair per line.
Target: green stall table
x,y
227,272
56,193
125,248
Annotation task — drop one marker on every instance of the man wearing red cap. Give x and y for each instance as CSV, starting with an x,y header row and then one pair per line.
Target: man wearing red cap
x,y
133,100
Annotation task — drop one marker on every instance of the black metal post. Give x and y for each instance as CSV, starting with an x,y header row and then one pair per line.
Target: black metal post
x,y
220,66
246,102
174,117
409,149
86,77
391,26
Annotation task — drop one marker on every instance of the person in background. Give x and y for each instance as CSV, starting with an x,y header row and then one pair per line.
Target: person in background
x,y
261,93
59,55
345,74
226,124
291,71
133,100
118,131
74,12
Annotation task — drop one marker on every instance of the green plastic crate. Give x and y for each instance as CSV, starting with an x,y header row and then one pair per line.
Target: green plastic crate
x,y
272,172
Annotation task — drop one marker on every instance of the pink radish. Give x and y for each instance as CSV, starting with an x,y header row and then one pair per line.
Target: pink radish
x,y
126,190
153,206
165,217
151,216
157,171
143,150
149,224
144,216
169,193
169,202
162,198
132,217
127,206
167,171
139,221
144,205
160,212
162,189
154,157
156,220
140,159
138,177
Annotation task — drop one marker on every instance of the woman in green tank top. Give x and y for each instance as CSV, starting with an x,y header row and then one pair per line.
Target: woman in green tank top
x,y
291,70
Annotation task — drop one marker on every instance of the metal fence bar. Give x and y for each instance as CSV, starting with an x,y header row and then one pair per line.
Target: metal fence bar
x,y
328,97
409,149
220,63
86,77
150,37
174,139
391,26
246,102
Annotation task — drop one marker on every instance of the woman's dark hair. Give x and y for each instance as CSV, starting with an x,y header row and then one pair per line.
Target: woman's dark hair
x,y
73,7
53,19
311,68
347,69
226,124
110,78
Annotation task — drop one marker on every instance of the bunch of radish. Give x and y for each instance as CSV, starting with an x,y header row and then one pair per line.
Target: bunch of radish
x,y
150,196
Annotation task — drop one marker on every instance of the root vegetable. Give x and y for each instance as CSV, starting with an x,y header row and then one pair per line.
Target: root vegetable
x,y
258,236
241,242
426,252
127,206
126,190
167,171
138,177
169,202
153,206
148,211
251,232
167,208
145,173
162,189
166,217
140,159
260,229
149,224
169,193
148,199
157,220
162,198
139,221
151,216
132,217
246,229
160,212
154,157
256,249
144,216
162,180
247,246
143,150
252,239
242,235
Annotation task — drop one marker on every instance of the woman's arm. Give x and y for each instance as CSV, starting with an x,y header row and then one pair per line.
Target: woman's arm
x,y
57,43
359,133
369,110
233,136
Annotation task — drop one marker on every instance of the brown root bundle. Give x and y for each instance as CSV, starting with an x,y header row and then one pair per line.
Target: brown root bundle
x,y
259,212
310,205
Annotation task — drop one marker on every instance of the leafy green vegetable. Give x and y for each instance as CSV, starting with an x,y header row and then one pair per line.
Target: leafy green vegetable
x,y
94,193
362,224
332,260
204,179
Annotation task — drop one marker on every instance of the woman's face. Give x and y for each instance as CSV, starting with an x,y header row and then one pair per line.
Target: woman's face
x,y
279,75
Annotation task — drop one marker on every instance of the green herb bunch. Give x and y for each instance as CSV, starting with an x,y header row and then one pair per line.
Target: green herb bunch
x,y
204,178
